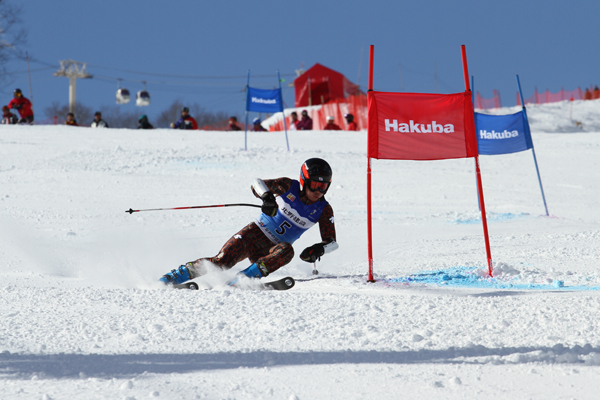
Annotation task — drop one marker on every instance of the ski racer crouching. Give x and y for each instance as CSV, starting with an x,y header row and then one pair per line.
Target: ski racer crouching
x,y
289,209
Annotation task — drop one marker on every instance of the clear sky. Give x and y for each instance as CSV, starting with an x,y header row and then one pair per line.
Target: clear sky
x,y
200,51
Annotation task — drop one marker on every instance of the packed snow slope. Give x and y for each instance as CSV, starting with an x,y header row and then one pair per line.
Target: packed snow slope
x,y
81,314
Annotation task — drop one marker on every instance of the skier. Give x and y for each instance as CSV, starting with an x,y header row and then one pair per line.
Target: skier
x,y
290,207
186,121
23,106
8,118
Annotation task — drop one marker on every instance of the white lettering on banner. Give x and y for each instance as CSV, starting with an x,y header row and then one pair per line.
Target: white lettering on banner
x,y
263,101
484,134
413,127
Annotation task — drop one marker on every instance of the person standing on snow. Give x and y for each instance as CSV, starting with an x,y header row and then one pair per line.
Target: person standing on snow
x,y
8,118
351,124
294,121
71,121
23,106
306,123
232,124
256,126
186,121
289,209
98,122
331,126
144,123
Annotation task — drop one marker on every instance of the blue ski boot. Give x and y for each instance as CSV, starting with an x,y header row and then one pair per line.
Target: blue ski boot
x,y
177,276
256,271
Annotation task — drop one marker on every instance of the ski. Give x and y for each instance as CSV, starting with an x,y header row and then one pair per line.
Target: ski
x,y
280,284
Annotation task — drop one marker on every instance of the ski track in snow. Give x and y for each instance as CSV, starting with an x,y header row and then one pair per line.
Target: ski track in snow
x,y
81,315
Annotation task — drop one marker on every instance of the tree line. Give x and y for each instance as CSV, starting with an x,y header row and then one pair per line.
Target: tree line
x,y
129,119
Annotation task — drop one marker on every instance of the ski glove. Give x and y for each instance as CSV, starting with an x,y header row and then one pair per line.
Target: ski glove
x,y
269,206
313,253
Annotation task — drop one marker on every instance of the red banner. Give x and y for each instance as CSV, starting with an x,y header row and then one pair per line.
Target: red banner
x,y
416,126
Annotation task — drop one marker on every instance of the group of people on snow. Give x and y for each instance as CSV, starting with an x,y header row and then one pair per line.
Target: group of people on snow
x,y
24,108
306,122
22,105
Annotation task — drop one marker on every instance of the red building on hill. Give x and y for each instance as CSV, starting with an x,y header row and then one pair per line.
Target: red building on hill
x,y
320,85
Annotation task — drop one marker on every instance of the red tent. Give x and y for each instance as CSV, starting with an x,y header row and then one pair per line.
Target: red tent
x,y
319,85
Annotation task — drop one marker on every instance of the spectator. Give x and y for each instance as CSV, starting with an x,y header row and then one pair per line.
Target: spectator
x,y
144,124
331,126
351,124
23,106
596,92
71,120
233,126
8,118
98,122
306,123
587,95
186,121
257,127
294,121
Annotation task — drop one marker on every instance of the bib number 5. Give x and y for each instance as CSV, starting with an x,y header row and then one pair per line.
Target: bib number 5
x,y
283,227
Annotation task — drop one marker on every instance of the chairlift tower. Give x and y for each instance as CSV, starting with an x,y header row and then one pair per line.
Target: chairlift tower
x,y
73,70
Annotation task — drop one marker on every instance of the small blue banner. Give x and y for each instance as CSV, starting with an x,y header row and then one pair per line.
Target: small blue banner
x,y
261,100
502,134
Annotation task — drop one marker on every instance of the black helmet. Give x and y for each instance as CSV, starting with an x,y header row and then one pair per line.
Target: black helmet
x,y
349,117
185,109
18,91
316,175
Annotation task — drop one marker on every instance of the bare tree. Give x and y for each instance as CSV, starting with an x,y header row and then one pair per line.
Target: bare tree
x,y
83,114
12,37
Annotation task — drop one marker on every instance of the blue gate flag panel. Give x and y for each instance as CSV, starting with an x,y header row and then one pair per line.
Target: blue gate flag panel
x,y
262,100
502,134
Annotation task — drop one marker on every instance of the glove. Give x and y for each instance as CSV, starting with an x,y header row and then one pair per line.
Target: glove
x,y
16,106
313,253
269,206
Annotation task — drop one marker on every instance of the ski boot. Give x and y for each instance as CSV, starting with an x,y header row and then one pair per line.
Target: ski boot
x,y
255,271
177,276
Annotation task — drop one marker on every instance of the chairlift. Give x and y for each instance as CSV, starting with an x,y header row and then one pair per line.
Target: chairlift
x,y
123,96
143,97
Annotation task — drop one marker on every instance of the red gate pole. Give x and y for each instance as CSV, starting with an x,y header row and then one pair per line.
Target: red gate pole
x,y
369,218
478,173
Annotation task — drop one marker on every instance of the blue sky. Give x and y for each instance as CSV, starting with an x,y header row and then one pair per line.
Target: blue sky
x,y
200,51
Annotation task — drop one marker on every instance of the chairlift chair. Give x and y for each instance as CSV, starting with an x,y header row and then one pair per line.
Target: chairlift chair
x,y
123,96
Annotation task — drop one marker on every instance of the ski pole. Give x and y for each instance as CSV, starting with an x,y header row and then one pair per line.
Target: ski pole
x,y
315,272
131,211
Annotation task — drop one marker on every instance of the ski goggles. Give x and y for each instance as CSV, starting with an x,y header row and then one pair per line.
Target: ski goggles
x,y
315,186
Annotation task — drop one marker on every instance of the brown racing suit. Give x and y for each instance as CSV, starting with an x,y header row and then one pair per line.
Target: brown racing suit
x,y
251,242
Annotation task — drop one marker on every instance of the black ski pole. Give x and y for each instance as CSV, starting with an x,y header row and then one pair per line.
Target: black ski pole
x,y
131,211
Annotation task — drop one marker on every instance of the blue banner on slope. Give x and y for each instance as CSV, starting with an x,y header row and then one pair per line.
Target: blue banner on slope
x,y
502,134
261,100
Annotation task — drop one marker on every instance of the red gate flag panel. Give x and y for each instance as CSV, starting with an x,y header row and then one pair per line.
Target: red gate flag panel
x,y
421,126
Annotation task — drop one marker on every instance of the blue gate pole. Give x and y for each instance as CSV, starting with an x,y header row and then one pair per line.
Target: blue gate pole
x,y
474,160
283,113
246,125
532,147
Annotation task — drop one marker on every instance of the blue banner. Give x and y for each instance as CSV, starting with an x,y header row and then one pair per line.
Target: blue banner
x,y
502,134
261,100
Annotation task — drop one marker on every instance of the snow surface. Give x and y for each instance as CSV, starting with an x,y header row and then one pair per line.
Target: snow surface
x,y
81,315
